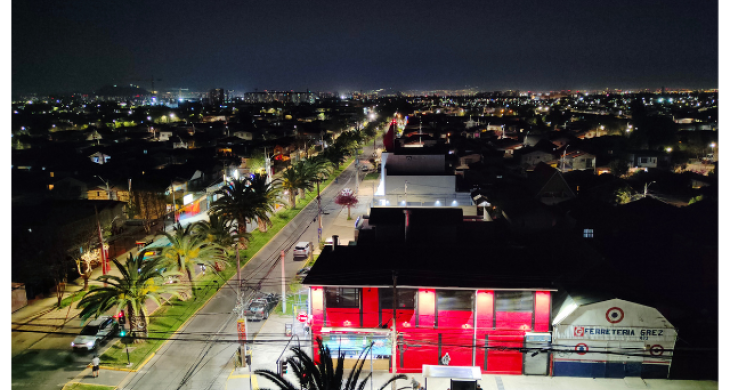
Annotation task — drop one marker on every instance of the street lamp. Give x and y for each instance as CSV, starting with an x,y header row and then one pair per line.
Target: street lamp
x,y
712,146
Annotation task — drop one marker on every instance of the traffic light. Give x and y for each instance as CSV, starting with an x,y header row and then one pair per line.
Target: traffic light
x,y
122,333
284,368
248,360
122,318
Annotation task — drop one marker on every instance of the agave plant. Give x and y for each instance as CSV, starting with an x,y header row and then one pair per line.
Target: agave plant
x,y
325,376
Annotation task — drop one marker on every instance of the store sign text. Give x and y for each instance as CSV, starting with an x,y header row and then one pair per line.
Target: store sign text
x,y
642,334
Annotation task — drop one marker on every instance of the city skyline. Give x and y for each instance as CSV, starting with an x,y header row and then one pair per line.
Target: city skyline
x,y
86,45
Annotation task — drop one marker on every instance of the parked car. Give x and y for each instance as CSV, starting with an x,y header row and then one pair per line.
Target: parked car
x,y
258,308
302,249
94,333
302,273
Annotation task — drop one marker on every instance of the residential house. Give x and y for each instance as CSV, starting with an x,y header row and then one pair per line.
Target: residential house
x,y
579,160
529,157
548,185
644,159
99,158
114,193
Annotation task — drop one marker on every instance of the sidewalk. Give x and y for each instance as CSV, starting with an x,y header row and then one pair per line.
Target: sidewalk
x,y
42,315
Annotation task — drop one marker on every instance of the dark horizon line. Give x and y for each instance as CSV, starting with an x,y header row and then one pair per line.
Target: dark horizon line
x,y
344,90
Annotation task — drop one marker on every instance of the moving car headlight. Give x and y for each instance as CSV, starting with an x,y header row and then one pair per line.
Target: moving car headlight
x,y
73,344
90,344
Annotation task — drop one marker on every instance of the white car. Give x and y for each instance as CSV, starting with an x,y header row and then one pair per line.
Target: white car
x,y
94,333
302,249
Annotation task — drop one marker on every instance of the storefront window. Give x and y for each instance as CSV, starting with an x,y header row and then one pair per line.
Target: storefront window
x,y
353,344
515,301
406,298
454,300
342,298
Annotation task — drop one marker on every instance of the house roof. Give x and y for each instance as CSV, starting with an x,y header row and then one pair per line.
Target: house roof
x,y
462,263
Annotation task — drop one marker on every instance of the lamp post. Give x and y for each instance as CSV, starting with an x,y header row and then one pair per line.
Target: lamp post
x,y
712,147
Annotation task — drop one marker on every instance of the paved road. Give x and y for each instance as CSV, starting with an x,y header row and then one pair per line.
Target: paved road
x,y
50,363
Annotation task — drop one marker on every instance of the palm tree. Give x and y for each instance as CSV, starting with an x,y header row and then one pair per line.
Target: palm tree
x,y
236,201
141,280
291,180
312,171
325,376
266,197
187,249
218,230
335,155
322,169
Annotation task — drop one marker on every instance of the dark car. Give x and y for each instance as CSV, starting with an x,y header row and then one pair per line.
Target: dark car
x,y
302,273
258,308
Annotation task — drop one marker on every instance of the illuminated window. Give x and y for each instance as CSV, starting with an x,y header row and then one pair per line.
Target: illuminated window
x,y
52,175
587,233
341,298
406,298
514,301
454,300
50,187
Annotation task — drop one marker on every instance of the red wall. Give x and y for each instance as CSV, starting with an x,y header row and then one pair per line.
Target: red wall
x,y
420,344
418,348
343,317
450,319
370,302
504,361
406,318
458,346
512,320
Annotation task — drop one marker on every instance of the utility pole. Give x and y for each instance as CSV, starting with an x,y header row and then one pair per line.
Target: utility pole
x,y
174,205
283,282
242,323
319,215
101,244
393,334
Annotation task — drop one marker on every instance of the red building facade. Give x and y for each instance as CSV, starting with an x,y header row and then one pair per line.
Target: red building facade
x,y
470,325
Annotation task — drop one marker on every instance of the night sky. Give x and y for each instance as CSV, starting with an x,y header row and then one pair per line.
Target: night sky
x,y
65,46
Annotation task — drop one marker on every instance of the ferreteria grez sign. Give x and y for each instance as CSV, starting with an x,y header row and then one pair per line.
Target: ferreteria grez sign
x,y
614,333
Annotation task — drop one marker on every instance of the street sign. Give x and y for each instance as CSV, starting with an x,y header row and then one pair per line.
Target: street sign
x,y
302,318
